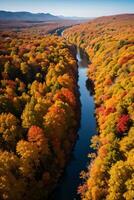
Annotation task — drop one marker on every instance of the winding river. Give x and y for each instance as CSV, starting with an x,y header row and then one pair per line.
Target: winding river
x,y
67,189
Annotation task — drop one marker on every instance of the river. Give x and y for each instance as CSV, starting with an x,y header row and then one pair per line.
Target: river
x,y
67,189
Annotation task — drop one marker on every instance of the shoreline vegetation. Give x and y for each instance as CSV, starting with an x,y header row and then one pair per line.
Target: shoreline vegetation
x,y
109,43
38,119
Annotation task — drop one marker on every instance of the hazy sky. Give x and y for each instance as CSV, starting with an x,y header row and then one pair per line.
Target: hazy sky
x,y
81,8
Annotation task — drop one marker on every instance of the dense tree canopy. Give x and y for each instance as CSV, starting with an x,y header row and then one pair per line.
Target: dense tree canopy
x,y
109,43
38,99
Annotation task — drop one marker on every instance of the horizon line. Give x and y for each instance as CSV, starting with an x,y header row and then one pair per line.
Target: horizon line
x,y
32,12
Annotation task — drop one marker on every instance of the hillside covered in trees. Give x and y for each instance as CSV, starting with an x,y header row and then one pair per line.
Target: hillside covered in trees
x,y
109,43
38,119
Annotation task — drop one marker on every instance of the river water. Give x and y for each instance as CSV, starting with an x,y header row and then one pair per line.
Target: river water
x,y
67,189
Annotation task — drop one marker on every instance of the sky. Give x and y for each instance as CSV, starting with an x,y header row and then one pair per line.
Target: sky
x,y
80,8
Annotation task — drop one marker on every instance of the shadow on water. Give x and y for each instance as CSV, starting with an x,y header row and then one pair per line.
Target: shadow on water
x,y
90,86
67,188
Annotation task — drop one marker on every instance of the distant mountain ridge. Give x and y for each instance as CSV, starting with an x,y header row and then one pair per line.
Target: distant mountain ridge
x,y
8,15
76,18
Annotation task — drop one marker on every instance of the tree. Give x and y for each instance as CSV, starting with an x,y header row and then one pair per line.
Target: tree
x,y
37,136
66,81
10,130
66,95
30,116
29,158
11,186
55,120
119,174
122,123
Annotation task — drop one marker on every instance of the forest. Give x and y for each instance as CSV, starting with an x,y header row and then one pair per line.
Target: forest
x,y
40,107
109,43
38,122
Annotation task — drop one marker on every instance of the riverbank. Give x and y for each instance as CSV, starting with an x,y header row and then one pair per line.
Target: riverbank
x,y
39,113
109,43
70,180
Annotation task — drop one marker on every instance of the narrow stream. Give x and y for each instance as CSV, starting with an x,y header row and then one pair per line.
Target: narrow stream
x,y
67,189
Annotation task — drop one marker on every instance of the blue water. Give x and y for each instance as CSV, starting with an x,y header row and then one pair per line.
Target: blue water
x,y
67,189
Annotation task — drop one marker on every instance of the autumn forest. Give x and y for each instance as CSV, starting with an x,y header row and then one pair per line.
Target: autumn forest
x,y
41,108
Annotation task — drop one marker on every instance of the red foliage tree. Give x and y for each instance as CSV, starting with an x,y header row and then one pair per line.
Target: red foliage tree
x,y
36,135
66,95
122,123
